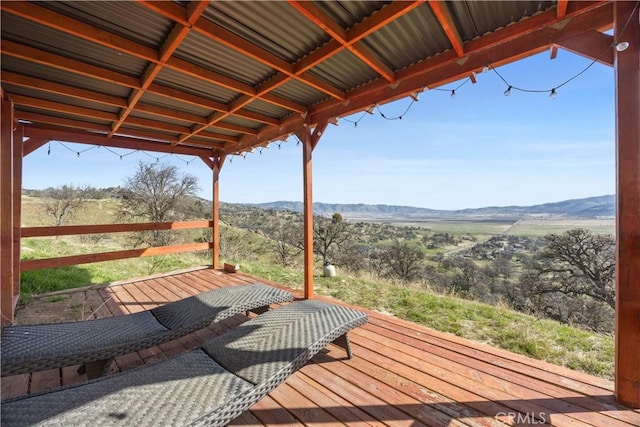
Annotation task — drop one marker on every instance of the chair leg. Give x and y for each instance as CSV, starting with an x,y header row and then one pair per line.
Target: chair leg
x,y
96,369
259,310
343,341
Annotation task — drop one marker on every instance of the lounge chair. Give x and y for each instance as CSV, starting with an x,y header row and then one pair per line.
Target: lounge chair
x,y
210,385
94,343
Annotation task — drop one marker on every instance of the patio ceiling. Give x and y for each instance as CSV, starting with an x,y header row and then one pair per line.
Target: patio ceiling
x,y
217,78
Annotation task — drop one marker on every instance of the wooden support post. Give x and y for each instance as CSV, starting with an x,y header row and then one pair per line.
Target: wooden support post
x,y
17,208
6,211
309,143
218,161
627,74
307,198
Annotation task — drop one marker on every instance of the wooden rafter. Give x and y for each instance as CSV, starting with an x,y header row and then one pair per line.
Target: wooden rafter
x,y
322,20
194,10
561,9
446,22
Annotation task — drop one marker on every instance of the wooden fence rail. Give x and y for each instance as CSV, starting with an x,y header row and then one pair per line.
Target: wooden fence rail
x,y
70,230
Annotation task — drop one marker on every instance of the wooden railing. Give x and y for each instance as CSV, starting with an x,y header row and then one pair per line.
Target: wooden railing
x,y
70,230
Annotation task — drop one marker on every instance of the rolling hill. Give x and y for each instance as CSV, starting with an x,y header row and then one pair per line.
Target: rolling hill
x,y
589,208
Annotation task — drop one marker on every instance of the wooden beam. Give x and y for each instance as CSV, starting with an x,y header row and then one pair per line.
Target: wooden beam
x,y
554,51
627,75
32,144
17,207
561,8
445,19
322,20
593,45
60,89
227,38
42,57
7,274
74,230
218,161
39,264
179,33
43,104
384,16
115,141
307,196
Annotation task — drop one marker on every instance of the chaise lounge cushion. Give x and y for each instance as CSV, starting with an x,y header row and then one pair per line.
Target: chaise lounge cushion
x,y
208,386
28,348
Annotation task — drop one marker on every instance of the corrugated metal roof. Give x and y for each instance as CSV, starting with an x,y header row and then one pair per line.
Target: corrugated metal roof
x,y
149,116
186,83
174,104
17,65
475,18
344,71
267,109
65,100
349,13
63,115
300,92
214,56
125,18
271,25
20,30
411,38
239,121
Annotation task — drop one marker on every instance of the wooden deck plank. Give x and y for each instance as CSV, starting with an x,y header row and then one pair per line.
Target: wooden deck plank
x,y
496,377
402,374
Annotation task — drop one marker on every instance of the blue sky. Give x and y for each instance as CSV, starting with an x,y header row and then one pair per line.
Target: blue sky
x,y
480,149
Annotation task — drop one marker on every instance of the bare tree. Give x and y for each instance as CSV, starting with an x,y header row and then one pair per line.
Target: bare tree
x,y
157,193
63,202
402,261
576,263
286,237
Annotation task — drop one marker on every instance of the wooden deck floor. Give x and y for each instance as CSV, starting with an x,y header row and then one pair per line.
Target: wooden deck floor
x,y
402,374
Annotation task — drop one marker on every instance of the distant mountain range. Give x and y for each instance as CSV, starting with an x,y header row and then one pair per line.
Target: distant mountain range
x,y
590,207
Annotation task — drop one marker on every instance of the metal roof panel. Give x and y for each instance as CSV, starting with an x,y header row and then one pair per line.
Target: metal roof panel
x,y
29,33
193,85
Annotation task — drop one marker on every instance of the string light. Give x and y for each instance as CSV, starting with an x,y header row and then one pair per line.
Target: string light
x,y
553,94
622,46
508,91
453,94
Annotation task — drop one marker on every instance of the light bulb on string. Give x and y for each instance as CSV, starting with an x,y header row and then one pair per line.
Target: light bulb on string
x,y
453,94
553,94
508,91
622,46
